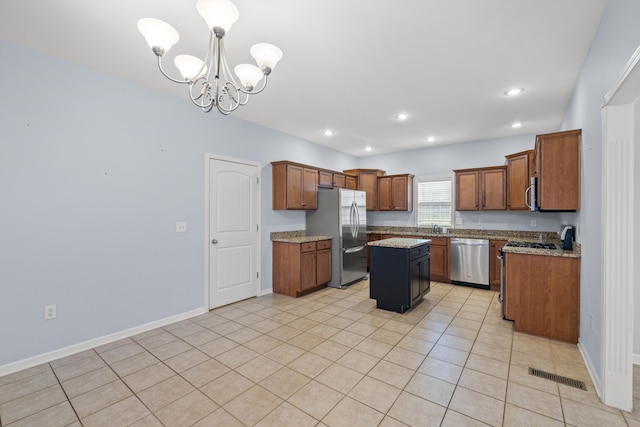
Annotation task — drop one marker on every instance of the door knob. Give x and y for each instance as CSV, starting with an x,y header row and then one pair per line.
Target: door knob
x,y
214,241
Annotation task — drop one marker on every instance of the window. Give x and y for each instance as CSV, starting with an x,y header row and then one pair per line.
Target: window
x,y
435,195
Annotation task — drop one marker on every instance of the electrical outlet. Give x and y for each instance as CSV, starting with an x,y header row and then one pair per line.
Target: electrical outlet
x,y
534,223
181,227
50,312
458,221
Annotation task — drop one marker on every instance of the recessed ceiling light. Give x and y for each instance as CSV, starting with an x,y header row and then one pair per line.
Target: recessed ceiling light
x,y
516,125
402,116
368,149
514,91
328,132
431,139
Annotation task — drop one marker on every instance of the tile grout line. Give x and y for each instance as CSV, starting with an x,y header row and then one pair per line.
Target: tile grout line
x,y
65,392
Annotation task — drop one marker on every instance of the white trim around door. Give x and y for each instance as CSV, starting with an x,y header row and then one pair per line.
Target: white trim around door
x,y
620,143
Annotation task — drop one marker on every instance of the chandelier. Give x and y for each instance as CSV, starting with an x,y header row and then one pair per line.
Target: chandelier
x,y
211,83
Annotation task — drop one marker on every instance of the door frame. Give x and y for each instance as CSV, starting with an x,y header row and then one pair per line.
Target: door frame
x,y
207,244
620,136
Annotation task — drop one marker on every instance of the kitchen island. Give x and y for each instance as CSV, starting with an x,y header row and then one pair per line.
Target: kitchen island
x,y
400,273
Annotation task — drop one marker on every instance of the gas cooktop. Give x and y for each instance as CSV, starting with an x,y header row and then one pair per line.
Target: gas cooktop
x,y
534,245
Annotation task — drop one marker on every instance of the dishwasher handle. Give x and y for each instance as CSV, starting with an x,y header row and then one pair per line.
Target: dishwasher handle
x,y
470,242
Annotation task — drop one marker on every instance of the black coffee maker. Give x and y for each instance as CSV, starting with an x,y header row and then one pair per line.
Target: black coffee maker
x,y
566,235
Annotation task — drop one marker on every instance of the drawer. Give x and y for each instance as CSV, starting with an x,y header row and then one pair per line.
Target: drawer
x,y
419,251
441,241
308,247
323,244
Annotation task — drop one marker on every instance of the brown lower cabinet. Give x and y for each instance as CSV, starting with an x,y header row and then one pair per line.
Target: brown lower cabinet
x,y
542,295
440,266
300,268
494,263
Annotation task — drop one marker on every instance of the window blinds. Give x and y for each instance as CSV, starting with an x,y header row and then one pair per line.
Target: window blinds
x,y
434,201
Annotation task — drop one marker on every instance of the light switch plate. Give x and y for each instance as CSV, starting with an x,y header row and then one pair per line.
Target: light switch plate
x,y
181,227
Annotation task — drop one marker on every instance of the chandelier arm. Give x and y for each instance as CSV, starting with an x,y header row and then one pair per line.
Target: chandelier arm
x,y
228,75
205,93
208,107
224,110
230,100
186,81
242,94
207,57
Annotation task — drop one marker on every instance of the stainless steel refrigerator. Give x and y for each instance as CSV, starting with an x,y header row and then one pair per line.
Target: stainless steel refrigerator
x,y
342,215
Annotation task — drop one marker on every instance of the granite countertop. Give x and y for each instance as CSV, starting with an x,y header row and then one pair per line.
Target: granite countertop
x,y
575,253
523,236
531,236
300,239
398,242
299,236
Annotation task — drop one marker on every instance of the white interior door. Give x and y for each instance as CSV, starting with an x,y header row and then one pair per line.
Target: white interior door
x,y
233,236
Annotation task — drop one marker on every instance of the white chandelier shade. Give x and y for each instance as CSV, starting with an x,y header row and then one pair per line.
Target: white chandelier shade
x,y
211,83
158,33
218,13
266,55
190,67
249,74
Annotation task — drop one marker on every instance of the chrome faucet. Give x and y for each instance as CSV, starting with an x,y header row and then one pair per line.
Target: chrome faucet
x,y
435,228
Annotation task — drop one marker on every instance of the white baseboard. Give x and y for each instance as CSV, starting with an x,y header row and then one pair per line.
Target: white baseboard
x,y
595,378
77,348
265,291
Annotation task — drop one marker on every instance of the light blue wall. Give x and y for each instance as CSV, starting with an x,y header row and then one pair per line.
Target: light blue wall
x,y
94,174
617,39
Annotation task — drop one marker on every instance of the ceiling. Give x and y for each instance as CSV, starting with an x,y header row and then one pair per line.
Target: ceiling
x,y
350,65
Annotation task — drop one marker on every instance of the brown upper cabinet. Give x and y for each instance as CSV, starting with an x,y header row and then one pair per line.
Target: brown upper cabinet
x,y
351,182
467,194
557,169
519,173
295,186
368,182
481,189
325,178
330,179
395,192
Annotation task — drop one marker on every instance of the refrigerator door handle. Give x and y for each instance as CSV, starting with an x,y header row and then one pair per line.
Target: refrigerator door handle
x,y
354,250
356,218
352,221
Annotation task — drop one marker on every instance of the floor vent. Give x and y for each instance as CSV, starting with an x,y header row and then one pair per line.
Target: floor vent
x,y
558,378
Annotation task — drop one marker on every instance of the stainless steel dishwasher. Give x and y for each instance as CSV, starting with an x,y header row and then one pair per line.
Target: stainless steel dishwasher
x,y
470,262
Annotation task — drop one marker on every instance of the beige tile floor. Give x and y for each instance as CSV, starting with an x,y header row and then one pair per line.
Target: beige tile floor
x,y
327,359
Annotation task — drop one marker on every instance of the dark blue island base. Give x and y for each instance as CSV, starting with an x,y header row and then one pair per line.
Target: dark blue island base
x,y
400,274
